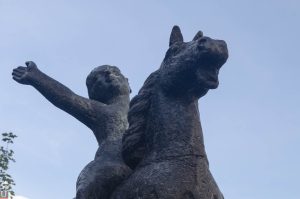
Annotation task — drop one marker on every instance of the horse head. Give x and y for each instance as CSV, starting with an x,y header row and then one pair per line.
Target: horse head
x,y
187,72
192,68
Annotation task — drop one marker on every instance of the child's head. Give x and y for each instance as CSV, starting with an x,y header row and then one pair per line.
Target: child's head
x,y
105,83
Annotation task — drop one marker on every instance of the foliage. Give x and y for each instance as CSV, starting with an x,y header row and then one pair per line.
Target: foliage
x,y
6,156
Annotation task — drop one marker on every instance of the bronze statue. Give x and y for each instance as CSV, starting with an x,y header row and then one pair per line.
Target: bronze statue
x,y
163,144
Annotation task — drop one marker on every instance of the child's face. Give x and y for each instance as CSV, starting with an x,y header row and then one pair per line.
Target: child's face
x,y
107,82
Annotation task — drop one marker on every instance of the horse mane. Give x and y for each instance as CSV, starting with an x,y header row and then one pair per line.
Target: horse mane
x,y
133,142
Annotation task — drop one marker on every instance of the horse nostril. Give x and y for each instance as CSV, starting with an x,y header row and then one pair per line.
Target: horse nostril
x,y
222,44
107,73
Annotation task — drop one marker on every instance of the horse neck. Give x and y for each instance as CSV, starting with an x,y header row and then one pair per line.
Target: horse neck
x,y
174,128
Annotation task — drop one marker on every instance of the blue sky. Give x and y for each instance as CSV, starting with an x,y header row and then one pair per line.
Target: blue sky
x,y
251,122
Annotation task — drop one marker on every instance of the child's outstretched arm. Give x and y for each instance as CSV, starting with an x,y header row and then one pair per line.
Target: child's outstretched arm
x,y
62,97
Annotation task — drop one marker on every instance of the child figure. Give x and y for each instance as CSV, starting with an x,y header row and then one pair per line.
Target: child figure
x,y
105,113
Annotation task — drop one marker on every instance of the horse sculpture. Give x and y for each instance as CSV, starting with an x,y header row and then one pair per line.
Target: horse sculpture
x,y
164,143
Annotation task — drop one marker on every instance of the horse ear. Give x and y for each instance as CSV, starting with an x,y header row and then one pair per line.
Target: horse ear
x,y
176,36
198,35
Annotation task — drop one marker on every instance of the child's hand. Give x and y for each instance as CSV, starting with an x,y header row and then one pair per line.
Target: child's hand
x,y
24,75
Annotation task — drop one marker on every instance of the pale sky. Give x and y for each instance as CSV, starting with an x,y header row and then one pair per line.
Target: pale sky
x,y
251,122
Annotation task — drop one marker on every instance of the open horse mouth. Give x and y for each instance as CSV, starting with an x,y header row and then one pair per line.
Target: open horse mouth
x,y
208,78
208,68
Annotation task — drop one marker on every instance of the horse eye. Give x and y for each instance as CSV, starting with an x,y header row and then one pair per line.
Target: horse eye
x,y
202,40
